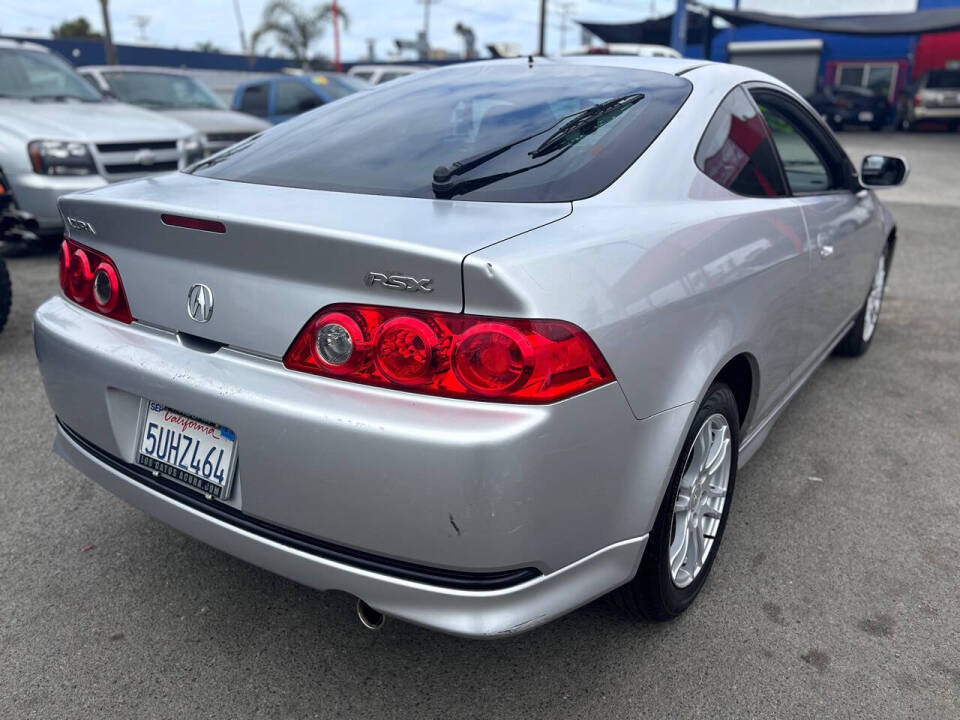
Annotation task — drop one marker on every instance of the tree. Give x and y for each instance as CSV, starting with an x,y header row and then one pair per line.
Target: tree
x,y
76,28
294,28
207,46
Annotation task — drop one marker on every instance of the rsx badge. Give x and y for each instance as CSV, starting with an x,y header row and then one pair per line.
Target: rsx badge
x,y
398,282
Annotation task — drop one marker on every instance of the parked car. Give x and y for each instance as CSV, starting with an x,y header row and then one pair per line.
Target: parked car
x,y
378,74
285,96
493,351
178,95
641,49
934,96
58,135
842,105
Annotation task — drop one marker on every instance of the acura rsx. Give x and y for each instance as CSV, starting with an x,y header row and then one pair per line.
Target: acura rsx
x,y
476,346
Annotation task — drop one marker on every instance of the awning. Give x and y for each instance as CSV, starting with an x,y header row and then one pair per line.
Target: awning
x,y
655,31
912,23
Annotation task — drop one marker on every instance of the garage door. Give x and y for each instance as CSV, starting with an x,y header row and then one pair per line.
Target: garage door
x,y
796,62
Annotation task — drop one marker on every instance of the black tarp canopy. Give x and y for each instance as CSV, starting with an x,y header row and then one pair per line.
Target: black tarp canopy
x,y
911,23
657,30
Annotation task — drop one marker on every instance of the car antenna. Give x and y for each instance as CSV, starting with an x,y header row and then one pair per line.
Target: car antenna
x,y
529,61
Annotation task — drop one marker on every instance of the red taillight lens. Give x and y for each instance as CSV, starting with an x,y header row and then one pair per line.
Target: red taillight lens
x,y
464,356
917,100
90,279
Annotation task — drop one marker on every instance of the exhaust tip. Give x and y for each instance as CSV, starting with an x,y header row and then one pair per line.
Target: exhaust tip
x,y
371,619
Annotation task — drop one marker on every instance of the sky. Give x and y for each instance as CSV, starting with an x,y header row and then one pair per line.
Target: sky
x,y
184,23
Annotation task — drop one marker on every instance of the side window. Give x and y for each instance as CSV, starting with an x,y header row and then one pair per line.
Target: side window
x,y
255,100
736,152
803,164
294,97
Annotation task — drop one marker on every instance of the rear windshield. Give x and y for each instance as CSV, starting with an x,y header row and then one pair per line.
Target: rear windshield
x,y
541,132
944,79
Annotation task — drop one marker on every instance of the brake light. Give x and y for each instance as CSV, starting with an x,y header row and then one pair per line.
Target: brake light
x,y
917,100
91,279
450,354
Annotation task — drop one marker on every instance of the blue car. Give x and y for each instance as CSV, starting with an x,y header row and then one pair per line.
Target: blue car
x,y
280,98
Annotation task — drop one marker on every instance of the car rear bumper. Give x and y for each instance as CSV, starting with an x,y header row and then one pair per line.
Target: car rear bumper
x,y
942,113
468,613
417,505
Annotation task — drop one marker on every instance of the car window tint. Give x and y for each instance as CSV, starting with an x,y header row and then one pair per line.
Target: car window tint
x,y
388,76
255,100
736,151
805,169
944,79
294,97
391,140
363,75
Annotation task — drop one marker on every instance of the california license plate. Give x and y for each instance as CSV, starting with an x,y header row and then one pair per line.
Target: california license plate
x,y
187,449
866,116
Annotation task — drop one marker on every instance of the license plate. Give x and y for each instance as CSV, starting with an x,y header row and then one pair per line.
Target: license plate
x,y
187,449
865,117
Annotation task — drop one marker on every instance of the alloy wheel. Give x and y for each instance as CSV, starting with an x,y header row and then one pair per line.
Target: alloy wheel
x,y
701,500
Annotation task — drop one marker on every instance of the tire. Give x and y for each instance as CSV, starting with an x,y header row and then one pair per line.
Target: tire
x,y
658,592
857,340
6,294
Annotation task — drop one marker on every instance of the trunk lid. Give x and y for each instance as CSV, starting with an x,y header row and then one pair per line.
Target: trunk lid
x,y
286,252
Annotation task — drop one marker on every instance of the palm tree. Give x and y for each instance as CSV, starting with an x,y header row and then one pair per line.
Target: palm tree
x,y
294,28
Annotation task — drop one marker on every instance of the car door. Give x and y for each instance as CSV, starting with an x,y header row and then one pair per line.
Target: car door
x,y
254,100
292,97
762,231
842,221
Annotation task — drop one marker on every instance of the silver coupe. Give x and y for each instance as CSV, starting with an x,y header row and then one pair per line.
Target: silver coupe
x,y
476,346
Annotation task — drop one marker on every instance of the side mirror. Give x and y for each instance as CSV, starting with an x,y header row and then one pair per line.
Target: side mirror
x,y
883,171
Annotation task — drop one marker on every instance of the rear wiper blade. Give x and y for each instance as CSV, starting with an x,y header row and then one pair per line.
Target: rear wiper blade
x,y
443,176
585,123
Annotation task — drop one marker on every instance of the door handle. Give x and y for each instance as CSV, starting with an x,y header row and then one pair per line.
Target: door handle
x,y
826,251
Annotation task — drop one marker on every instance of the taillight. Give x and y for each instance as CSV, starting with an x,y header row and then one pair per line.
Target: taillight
x,y
449,354
917,100
91,279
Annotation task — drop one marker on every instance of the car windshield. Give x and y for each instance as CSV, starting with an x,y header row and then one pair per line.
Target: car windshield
x,y
944,79
159,90
391,140
41,76
338,86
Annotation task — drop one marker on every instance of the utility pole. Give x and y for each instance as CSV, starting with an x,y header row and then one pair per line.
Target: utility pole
x,y
542,45
243,36
678,28
109,50
426,20
336,36
566,8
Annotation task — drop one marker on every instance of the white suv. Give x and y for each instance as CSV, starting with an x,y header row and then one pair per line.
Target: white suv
x,y
59,135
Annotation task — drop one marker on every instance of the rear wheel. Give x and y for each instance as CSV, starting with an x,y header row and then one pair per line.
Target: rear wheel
x,y
692,517
856,342
5,293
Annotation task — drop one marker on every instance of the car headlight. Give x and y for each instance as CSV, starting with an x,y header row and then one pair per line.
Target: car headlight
x,y
192,149
61,157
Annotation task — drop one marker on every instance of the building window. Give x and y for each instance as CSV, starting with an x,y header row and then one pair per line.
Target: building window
x,y
879,77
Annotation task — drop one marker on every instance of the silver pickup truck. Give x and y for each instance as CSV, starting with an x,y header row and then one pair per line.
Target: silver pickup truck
x,y
59,135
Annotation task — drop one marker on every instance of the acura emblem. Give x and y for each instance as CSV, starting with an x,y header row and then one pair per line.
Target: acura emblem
x,y
200,302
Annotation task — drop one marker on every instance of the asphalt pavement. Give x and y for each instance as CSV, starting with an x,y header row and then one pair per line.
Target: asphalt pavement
x,y
836,593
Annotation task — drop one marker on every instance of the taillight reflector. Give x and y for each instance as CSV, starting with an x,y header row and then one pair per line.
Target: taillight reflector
x,y
193,223
91,279
449,354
